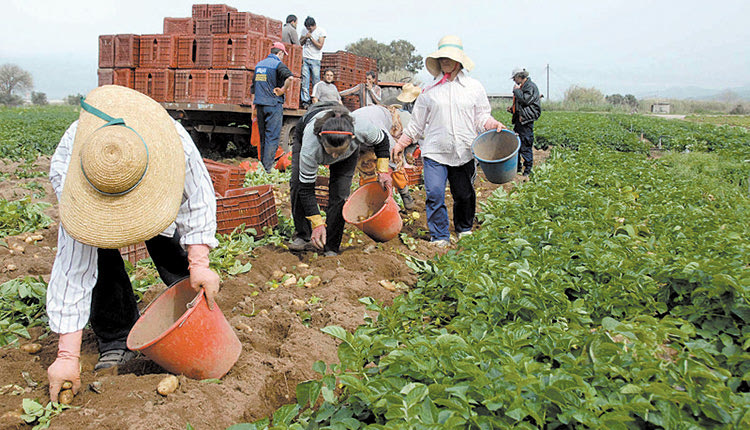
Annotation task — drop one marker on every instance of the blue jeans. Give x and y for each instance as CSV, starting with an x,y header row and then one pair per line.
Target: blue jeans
x,y
310,68
462,191
270,119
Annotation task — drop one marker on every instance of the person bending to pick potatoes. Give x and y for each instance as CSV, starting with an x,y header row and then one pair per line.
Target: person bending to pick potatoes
x,y
449,114
124,173
329,135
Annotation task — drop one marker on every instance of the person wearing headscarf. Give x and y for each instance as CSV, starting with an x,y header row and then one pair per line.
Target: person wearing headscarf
x,y
447,117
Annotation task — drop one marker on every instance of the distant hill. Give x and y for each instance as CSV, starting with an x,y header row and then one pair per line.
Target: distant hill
x,y
698,93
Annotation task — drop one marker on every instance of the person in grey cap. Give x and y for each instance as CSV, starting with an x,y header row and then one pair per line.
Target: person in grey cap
x,y
526,109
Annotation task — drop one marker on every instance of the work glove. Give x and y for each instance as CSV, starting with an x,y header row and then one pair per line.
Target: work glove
x,y
399,147
66,366
318,236
492,123
201,276
385,179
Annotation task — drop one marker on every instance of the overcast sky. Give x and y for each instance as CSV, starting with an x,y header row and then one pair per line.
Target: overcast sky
x,y
619,46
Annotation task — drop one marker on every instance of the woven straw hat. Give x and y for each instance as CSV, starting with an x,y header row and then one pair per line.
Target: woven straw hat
x,y
127,170
409,93
449,47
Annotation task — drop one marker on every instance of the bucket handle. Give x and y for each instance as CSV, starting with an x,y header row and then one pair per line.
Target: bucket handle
x,y
191,305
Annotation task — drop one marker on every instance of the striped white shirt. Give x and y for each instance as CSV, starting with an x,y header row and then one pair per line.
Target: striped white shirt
x,y
74,271
448,118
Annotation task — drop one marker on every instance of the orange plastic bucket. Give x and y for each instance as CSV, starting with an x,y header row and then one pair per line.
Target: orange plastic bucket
x,y
373,210
178,332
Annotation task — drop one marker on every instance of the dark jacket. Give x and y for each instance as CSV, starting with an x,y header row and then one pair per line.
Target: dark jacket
x,y
270,73
527,103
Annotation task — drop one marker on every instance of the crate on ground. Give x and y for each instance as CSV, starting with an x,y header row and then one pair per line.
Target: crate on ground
x,y
414,174
255,207
191,86
294,61
155,83
127,50
236,51
106,51
200,11
134,253
273,29
291,99
224,176
321,191
179,26
227,86
158,50
194,52
124,77
220,23
106,76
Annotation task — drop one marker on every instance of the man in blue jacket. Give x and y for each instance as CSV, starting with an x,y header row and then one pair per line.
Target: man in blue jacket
x,y
526,109
271,81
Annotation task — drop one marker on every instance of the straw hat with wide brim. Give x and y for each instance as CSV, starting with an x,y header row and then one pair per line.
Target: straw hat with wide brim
x,y
409,93
448,47
127,170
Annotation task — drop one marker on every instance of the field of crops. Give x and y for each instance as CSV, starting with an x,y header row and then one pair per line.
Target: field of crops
x,y
734,120
612,290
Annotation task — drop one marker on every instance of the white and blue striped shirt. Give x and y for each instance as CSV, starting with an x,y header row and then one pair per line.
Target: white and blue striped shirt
x,y
74,272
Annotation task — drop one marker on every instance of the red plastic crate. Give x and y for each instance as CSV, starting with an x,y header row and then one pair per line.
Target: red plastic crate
x,y
239,22
321,191
414,174
253,206
203,26
291,99
235,51
294,61
180,26
106,51
220,23
158,50
134,253
273,29
155,83
194,52
351,102
200,11
226,86
106,76
191,86
257,24
127,50
124,77
248,96
224,176
219,9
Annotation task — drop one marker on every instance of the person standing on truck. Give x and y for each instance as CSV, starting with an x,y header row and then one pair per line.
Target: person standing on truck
x,y
271,81
325,90
369,92
124,173
526,108
289,31
329,135
449,114
312,40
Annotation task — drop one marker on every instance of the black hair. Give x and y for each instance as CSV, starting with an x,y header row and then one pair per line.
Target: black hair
x,y
371,73
309,21
329,70
336,119
291,18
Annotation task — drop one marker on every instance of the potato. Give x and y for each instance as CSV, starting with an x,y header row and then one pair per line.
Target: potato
x,y
28,239
388,285
290,281
415,215
277,274
31,348
297,305
65,397
11,267
168,385
313,282
36,237
67,385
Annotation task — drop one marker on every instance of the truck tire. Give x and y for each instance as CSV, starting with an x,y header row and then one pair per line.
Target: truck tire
x,y
287,134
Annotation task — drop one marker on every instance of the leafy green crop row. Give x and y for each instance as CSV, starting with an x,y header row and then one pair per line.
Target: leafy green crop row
x,y
574,129
610,292
27,132
21,216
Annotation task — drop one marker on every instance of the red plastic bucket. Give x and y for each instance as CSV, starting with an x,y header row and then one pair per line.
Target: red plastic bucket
x,y
178,332
373,210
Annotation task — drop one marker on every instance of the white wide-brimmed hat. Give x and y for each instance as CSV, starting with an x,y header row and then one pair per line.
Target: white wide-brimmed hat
x,y
449,47
409,93
127,170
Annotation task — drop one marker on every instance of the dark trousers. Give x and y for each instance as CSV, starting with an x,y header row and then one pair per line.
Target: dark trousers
x,y
113,304
270,119
461,183
339,184
526,134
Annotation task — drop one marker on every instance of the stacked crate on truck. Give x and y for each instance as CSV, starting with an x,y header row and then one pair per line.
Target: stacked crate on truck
x,y
349,71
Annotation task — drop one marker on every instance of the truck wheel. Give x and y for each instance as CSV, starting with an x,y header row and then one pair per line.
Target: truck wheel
x,y
287,134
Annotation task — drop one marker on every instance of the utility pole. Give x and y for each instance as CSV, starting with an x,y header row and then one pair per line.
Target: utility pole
x,y
548,97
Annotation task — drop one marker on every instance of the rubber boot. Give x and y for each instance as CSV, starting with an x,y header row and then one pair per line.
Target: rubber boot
x,y
407,198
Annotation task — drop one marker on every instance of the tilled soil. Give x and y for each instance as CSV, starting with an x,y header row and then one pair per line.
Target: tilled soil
x,y
279,326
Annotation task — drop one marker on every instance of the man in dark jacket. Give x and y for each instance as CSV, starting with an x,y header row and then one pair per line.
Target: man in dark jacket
x,y
526,109
271,81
